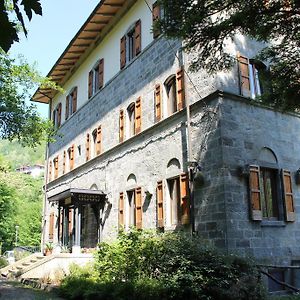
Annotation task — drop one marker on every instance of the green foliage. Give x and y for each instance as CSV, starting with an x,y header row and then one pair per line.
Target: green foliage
x,y
9,28
3,262
206,27
20,204
145,265
17,119
14,155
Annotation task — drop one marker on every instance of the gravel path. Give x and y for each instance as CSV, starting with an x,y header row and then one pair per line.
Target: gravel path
x,y
16,291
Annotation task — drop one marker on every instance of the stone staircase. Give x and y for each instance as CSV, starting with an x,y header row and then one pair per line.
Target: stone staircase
x,y
15,271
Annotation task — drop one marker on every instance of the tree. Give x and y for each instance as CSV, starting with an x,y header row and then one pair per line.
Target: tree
x,y
9,28
17,119
206,26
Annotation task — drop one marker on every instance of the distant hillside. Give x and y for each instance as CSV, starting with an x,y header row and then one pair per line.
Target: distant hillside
x,y
16,155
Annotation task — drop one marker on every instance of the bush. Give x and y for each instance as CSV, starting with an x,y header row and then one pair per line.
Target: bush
x,y
149,266
3,262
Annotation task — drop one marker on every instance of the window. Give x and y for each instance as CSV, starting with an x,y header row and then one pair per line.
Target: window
x,y
121,211
50,171
134,216
251,74
55,163
71,103
156,15
174,90
88,147
266,187
274,286
51,226
64,162
130,45
179,204
56,116
96,78
131,119
71,157
121,126
157,103
97,138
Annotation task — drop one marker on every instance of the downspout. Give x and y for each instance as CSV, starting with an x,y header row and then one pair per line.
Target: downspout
x,y
45,186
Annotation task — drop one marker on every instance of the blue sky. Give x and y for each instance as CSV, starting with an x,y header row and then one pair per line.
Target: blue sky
x,y
49,35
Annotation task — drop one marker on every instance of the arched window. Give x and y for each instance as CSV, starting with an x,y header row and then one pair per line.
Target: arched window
x,y
131,119
171,93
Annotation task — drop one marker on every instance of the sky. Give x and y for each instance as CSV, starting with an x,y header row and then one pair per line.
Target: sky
x,y
49,35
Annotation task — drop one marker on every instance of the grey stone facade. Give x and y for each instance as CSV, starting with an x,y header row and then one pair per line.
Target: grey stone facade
x,y
228,132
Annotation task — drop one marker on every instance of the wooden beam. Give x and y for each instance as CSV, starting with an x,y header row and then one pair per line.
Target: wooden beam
x,y
105,14
66,64
81,45
118,5
71,58
86,38
90,30
75,51
99,22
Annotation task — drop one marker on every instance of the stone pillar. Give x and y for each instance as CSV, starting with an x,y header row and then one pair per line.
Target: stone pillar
x,y
76,246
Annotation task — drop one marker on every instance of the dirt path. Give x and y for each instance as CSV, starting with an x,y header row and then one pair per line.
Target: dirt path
x,y
16,291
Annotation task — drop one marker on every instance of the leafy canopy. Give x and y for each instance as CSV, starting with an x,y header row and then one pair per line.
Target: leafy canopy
x,y
9,28
206,26
17,119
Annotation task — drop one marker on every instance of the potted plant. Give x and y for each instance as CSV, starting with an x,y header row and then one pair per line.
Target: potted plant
x,y
48,248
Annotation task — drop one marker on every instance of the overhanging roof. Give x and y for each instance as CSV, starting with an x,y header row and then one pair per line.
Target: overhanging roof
x,y
79,195
97,22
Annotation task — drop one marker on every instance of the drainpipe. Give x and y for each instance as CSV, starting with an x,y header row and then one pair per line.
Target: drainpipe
x,y
45,203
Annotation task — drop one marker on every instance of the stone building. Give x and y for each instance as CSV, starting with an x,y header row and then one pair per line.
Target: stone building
x,y
143,142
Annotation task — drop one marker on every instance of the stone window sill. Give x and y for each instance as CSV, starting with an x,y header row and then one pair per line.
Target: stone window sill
x,y
271,223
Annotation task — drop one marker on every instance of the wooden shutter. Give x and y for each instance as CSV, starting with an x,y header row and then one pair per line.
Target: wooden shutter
x,y
137,37
61,222
290,215
55,167
88,147
180,89
123,52
121,210
184,199
244,78
90,87
74,98
138,116
72,157
155,17
121,133
255,193
64,162
67,108
138,208
70,222
51,226
50,171
158,106
101,73
59,114
98,140
160,204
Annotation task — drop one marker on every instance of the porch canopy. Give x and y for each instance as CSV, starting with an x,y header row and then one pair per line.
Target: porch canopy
x,y
78,209
78,196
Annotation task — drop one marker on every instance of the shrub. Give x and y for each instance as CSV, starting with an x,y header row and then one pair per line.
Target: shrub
x,y
150,266
3,262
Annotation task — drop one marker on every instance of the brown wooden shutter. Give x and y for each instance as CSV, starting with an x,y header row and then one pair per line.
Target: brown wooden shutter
x,y
160,204
74,99
72,157
90,87
55,167
70,222
290,215
121,133
158,106
51,226
61,222
59,114
138,116
121,211
244,78
137,36
64,162
50,171
180,89
101,73
123,52
99,140
255,193
88,147
155,17
67,108
184,198
138,208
